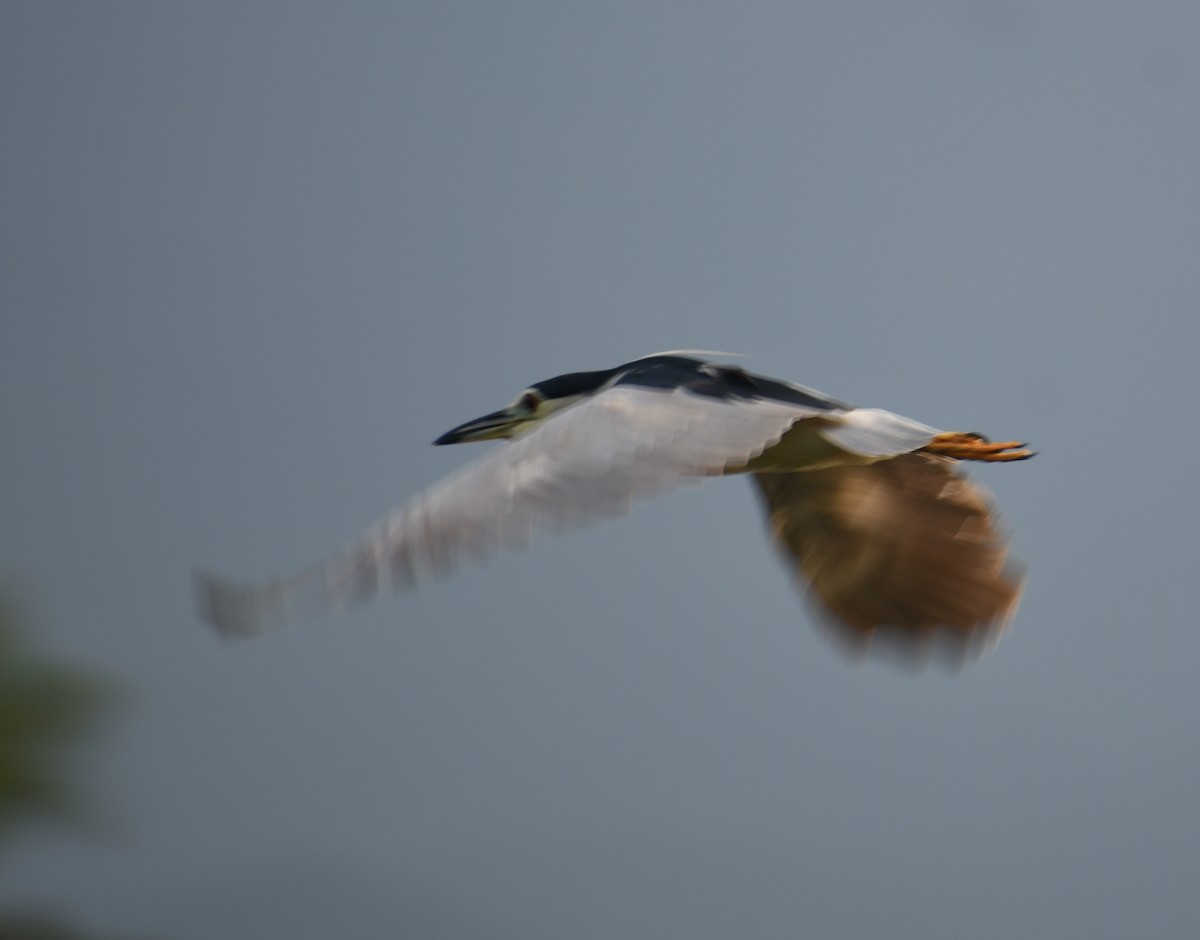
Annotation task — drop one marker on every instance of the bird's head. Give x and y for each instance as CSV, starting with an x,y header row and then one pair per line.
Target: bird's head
x,y
665,370
520,416
531,408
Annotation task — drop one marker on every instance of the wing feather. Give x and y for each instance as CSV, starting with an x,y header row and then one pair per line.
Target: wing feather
x,y
873,432
904,550
589,461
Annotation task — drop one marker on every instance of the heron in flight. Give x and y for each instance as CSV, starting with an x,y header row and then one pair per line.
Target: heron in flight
x,y
867,507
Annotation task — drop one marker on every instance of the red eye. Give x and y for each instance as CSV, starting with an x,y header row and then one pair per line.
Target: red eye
x,y
530,401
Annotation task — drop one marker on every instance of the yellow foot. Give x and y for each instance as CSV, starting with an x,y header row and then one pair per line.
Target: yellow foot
x,y
962,446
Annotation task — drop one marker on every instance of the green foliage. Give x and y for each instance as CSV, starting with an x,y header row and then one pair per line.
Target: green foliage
x,y
37,926
46,711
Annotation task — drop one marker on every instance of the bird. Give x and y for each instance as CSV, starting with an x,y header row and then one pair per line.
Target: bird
x,y
892,544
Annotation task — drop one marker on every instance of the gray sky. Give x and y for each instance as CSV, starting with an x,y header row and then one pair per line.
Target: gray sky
x,y
255,257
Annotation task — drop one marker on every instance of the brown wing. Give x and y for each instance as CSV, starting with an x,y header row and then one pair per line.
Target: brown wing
x,y
904,550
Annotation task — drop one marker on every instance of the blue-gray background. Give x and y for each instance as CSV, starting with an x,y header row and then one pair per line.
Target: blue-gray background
x,y
255,257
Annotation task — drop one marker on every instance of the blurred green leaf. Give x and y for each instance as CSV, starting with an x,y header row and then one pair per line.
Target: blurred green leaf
x,y
47,711
38,925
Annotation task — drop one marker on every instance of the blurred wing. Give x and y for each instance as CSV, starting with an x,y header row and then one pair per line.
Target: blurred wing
x,y
873,432
903,550
589,461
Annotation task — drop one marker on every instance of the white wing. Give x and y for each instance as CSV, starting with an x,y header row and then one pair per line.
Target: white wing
x,y
589,461
873,432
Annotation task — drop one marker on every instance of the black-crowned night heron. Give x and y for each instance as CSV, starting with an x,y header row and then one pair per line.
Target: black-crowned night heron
x,y
866,505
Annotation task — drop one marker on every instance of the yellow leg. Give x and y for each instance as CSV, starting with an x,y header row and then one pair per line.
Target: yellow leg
x,y
962,446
